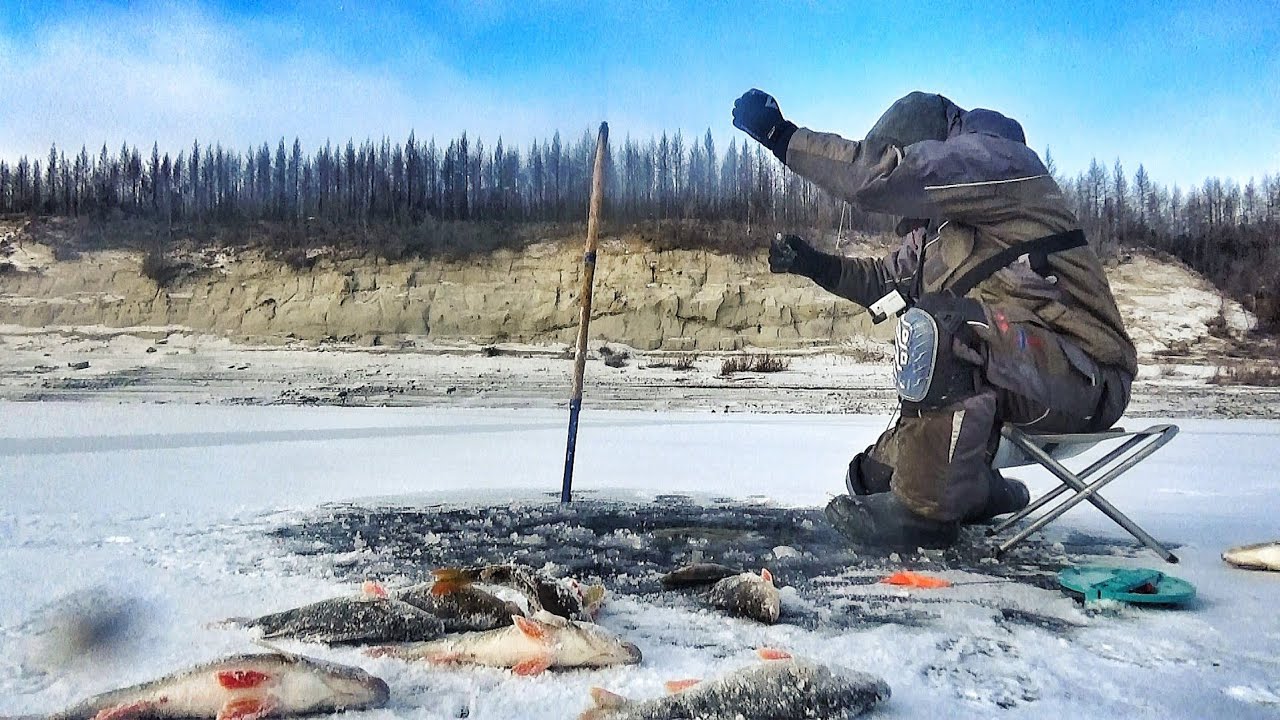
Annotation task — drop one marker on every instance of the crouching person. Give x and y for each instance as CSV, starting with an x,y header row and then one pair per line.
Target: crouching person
x,y
1005,313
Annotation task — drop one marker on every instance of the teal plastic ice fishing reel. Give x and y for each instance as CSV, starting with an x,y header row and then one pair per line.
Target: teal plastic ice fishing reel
x,y
1140,586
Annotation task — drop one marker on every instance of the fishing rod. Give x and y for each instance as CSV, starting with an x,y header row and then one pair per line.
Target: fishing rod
x,y
584,319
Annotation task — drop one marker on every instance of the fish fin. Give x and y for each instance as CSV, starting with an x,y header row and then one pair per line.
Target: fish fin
x,y
768,653
453,574
605,699
546,617
766,575
534,666
917,580
675,686
246,709
592,599
373,588
124,712
449,580
529,627
288,656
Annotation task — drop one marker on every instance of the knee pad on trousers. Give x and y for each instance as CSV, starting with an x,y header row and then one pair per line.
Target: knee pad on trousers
x,y
926,368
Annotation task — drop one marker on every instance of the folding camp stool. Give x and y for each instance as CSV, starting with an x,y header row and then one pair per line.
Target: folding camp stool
x,y
1018,448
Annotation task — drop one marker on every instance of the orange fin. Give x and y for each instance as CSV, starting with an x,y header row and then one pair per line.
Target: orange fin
x,y
768,653
449,580
532,628
532,667
917,580
604,704
372,588
768,576
123,712
675,686
245,709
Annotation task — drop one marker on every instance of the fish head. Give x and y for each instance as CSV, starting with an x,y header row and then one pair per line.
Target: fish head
x,y
598,646
316,684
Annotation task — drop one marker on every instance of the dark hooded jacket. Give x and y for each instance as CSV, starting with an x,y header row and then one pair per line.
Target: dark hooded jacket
x,y
971,174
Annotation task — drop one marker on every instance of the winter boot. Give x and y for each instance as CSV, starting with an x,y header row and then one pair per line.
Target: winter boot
x,y
1005,496
882,520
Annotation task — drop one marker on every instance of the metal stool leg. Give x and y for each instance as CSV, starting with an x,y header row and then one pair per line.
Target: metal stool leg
x,y
1053,494
1089,492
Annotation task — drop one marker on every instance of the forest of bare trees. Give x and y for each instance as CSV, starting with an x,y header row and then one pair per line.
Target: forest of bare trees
x,y
1228,232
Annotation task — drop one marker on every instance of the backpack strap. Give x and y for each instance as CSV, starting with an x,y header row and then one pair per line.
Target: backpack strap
x,y
1037,251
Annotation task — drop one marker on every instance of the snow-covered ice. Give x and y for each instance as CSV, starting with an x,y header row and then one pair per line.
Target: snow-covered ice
x,y
172,513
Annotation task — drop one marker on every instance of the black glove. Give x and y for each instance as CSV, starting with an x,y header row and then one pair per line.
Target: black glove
x,y
757,114
791,254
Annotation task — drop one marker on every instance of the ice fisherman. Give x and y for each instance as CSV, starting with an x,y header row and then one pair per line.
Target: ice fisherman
x,y
1008,315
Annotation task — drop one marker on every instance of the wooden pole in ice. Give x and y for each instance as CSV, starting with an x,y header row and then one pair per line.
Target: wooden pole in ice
x,y
584,319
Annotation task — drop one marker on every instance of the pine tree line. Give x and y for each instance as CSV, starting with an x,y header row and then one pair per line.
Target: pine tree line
x,y
407,184
1229,232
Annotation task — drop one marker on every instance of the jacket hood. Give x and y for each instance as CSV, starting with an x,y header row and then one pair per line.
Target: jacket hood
x,y
915,117
989,122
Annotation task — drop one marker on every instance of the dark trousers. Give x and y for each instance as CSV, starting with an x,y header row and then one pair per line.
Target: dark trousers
x,y
938,461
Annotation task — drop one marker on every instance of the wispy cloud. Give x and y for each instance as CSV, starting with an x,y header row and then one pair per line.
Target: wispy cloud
x,y
174,73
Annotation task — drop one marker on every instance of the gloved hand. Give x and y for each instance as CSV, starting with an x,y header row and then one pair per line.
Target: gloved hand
x,y
791,254
757,114
783,255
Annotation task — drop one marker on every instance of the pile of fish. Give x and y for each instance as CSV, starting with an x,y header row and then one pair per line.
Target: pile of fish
x,y
416,613
453,619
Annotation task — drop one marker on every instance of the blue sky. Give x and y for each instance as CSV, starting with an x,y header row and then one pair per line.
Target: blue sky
x,y
1190,90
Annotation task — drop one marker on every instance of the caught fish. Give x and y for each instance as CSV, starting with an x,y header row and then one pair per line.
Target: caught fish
x,y
748,595
413,614
461,607
741,594
528,646
786,688
243,687
566,598
359,620
1260,556
697,574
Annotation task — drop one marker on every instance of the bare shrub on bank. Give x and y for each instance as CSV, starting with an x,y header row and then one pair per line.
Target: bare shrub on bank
x,y
753,362
160,269
682,362
1256,373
